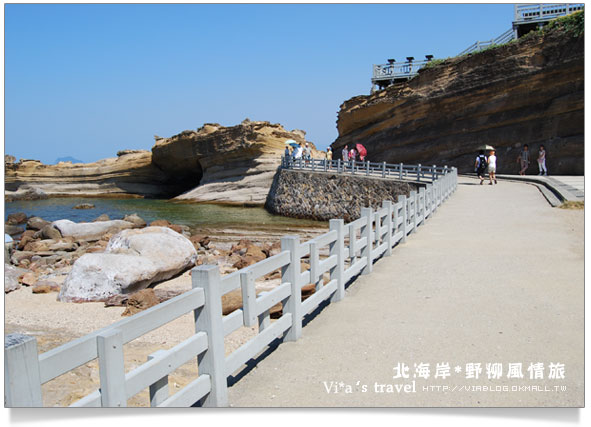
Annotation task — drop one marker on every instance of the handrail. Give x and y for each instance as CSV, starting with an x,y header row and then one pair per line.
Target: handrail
x,y
506,37
396,70
352,250
418,173
531,11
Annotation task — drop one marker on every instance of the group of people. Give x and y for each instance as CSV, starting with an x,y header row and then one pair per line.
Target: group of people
x,y
302,151
523,160
488,164
484,164
299,152
351,155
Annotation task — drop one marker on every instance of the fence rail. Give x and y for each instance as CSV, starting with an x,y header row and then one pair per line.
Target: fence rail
x,y
396,70
506,37
417,173
352,250
533,12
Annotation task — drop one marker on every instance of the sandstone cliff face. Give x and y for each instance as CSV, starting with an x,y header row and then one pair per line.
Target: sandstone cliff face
x,y
232,165
126,175
226,164
526,92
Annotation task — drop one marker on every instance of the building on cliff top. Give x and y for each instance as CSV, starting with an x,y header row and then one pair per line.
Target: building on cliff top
x,y
527,17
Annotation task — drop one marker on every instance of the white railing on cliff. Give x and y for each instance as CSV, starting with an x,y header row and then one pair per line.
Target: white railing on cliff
x,y
418,173
506,37
544,11
352,250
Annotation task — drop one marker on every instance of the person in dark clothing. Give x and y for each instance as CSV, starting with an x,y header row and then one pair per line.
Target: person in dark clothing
x,y
480,166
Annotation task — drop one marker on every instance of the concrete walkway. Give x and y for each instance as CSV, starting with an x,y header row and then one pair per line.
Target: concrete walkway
x,y
496,276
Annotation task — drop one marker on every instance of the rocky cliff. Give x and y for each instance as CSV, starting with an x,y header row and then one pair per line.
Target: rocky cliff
x,y
130,174
226,164
529,91
212,164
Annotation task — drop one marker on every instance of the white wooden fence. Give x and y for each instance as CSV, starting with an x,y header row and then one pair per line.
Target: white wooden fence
x,y
352,250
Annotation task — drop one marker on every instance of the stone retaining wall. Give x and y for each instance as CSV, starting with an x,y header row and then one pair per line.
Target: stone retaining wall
x,y
323,196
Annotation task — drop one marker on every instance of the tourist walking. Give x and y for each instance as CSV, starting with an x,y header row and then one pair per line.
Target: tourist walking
x,y
542,161
297,152
492,167
523,160
308,152
345,153
329,157
480,166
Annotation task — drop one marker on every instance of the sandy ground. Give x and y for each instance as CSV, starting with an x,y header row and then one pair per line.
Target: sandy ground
x,y
448,296
54,323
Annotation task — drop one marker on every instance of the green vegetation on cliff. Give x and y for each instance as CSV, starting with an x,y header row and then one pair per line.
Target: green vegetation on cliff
x,y
573,25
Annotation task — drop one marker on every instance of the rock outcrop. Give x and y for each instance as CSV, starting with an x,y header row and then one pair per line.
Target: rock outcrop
x,y
233,165
132,260
90,230
530,91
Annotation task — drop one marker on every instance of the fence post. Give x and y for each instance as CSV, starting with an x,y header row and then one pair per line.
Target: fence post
x,y
429,197
367,167
402,199
388,205
22,379
366,232
111,369
249,298
419,172
353,167
383,169
338,165
158,390
422,205
291,273
208,318
400,173
413,212
338,248
434,173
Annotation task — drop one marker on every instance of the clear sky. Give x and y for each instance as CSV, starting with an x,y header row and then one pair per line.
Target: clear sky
x,y
88,80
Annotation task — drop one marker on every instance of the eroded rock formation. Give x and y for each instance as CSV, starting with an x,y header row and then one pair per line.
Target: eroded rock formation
x,y
227,164
232,165
526,92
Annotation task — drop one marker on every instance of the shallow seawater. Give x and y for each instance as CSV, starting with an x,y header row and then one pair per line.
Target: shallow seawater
x,y
190,214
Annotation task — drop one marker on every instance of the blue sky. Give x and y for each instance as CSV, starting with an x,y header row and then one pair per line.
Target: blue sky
x,y
89,80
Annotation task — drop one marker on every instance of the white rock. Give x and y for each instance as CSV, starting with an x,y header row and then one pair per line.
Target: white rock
x,y
133,260
90,230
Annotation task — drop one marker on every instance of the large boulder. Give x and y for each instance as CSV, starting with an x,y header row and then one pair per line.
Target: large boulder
x,y
133,260
13,230
16,218
36,223
89,230
12,276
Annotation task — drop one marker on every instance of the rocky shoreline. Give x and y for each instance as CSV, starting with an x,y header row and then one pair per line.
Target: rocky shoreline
x,y
43,254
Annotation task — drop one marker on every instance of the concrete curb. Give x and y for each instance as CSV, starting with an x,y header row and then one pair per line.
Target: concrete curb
x,y
548,186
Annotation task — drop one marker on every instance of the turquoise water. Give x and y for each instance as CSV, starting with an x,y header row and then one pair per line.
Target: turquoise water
x,y
192,215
